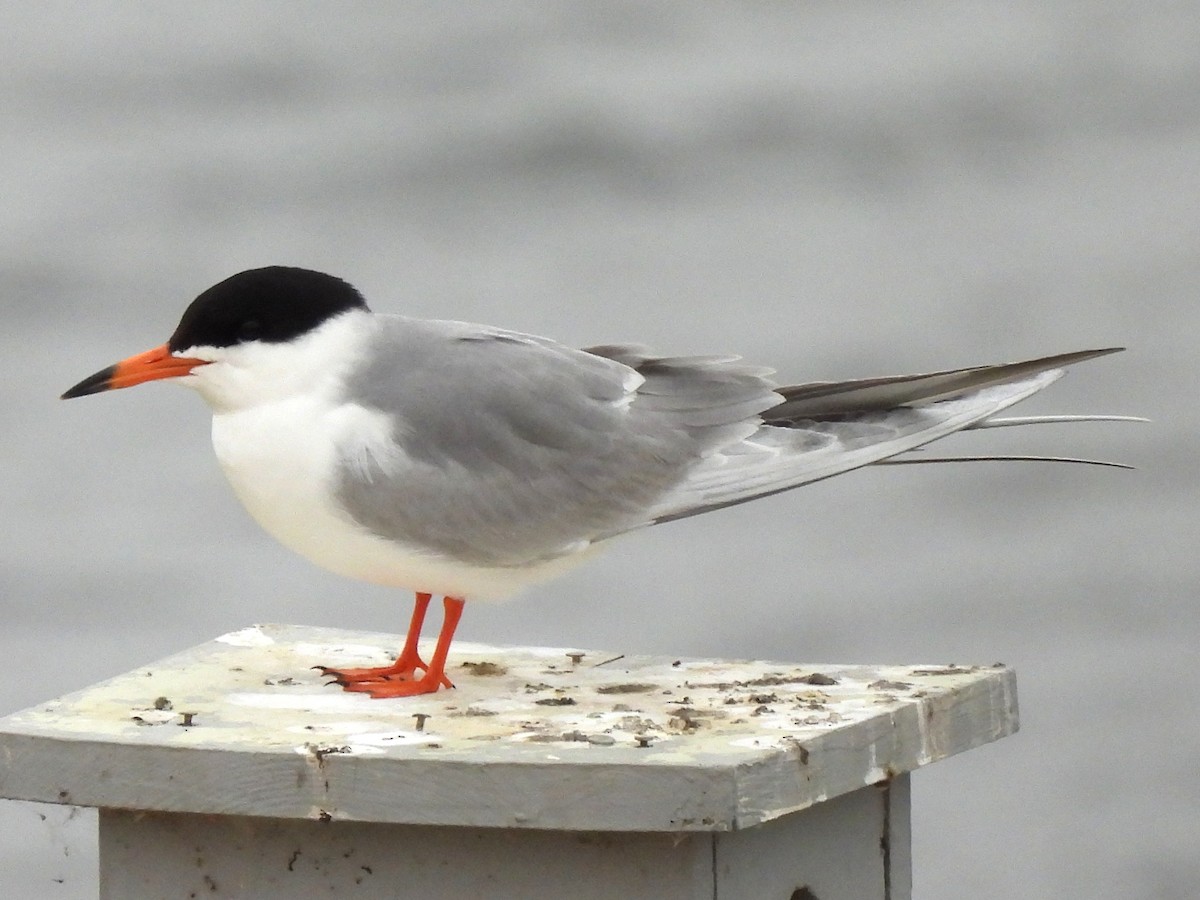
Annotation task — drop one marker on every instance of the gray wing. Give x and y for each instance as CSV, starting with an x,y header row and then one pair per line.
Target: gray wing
x,y
516,449
866,394
827,428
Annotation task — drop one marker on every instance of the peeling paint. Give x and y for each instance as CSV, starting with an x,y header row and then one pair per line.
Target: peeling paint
x,y
253,694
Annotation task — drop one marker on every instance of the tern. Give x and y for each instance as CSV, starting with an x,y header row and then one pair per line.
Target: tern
x,y
468,462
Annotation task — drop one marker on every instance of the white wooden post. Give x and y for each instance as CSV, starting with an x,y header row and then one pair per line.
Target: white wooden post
x,y
230,771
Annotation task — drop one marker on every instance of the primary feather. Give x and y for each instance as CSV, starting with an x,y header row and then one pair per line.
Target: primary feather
x,y
827,428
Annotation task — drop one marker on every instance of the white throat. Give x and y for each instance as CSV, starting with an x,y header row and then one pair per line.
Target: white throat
x,y
247,375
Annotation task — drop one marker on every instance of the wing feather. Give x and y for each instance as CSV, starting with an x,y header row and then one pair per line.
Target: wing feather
x,y
837,398
778,458
512,450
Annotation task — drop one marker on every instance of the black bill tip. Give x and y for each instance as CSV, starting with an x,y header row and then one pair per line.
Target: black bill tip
x,y
93,384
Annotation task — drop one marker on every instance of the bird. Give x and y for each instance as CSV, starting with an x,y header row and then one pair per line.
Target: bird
x,y
468,462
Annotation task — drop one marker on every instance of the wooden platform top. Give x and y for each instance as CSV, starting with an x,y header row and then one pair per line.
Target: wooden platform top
x,y
530,737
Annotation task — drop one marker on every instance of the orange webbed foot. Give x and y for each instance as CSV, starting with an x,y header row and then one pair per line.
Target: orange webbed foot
x,y
400,679
401,670
379,690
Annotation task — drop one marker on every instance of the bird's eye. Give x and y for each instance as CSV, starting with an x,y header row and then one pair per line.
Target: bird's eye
x,y
249,330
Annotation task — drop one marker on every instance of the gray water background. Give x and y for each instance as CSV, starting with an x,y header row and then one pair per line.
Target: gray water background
x,y
834,189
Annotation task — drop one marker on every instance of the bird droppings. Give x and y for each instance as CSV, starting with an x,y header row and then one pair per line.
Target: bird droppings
x,y
946,670
575,736
684,719
884,685
771,679
819,678
476,711
636,687
556,701
318,752
540,738
484,669
742,700
636,724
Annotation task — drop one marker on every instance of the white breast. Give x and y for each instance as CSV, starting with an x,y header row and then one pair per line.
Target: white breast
x,y
282,426
281,459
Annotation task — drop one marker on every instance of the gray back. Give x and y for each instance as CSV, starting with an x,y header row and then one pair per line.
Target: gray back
x,y
517,449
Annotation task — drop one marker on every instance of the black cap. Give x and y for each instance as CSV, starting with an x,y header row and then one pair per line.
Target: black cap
x,y
273,305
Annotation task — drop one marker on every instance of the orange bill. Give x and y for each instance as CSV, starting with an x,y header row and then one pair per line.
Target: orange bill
x,y
149,366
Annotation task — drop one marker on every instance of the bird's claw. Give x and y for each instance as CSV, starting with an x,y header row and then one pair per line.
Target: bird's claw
x,y
350,679
399,688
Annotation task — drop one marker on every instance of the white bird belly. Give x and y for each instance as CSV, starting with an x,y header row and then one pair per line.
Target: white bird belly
x,y
282,461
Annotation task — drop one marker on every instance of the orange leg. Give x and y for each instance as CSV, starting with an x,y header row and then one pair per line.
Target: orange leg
x,y
407,663
435,673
